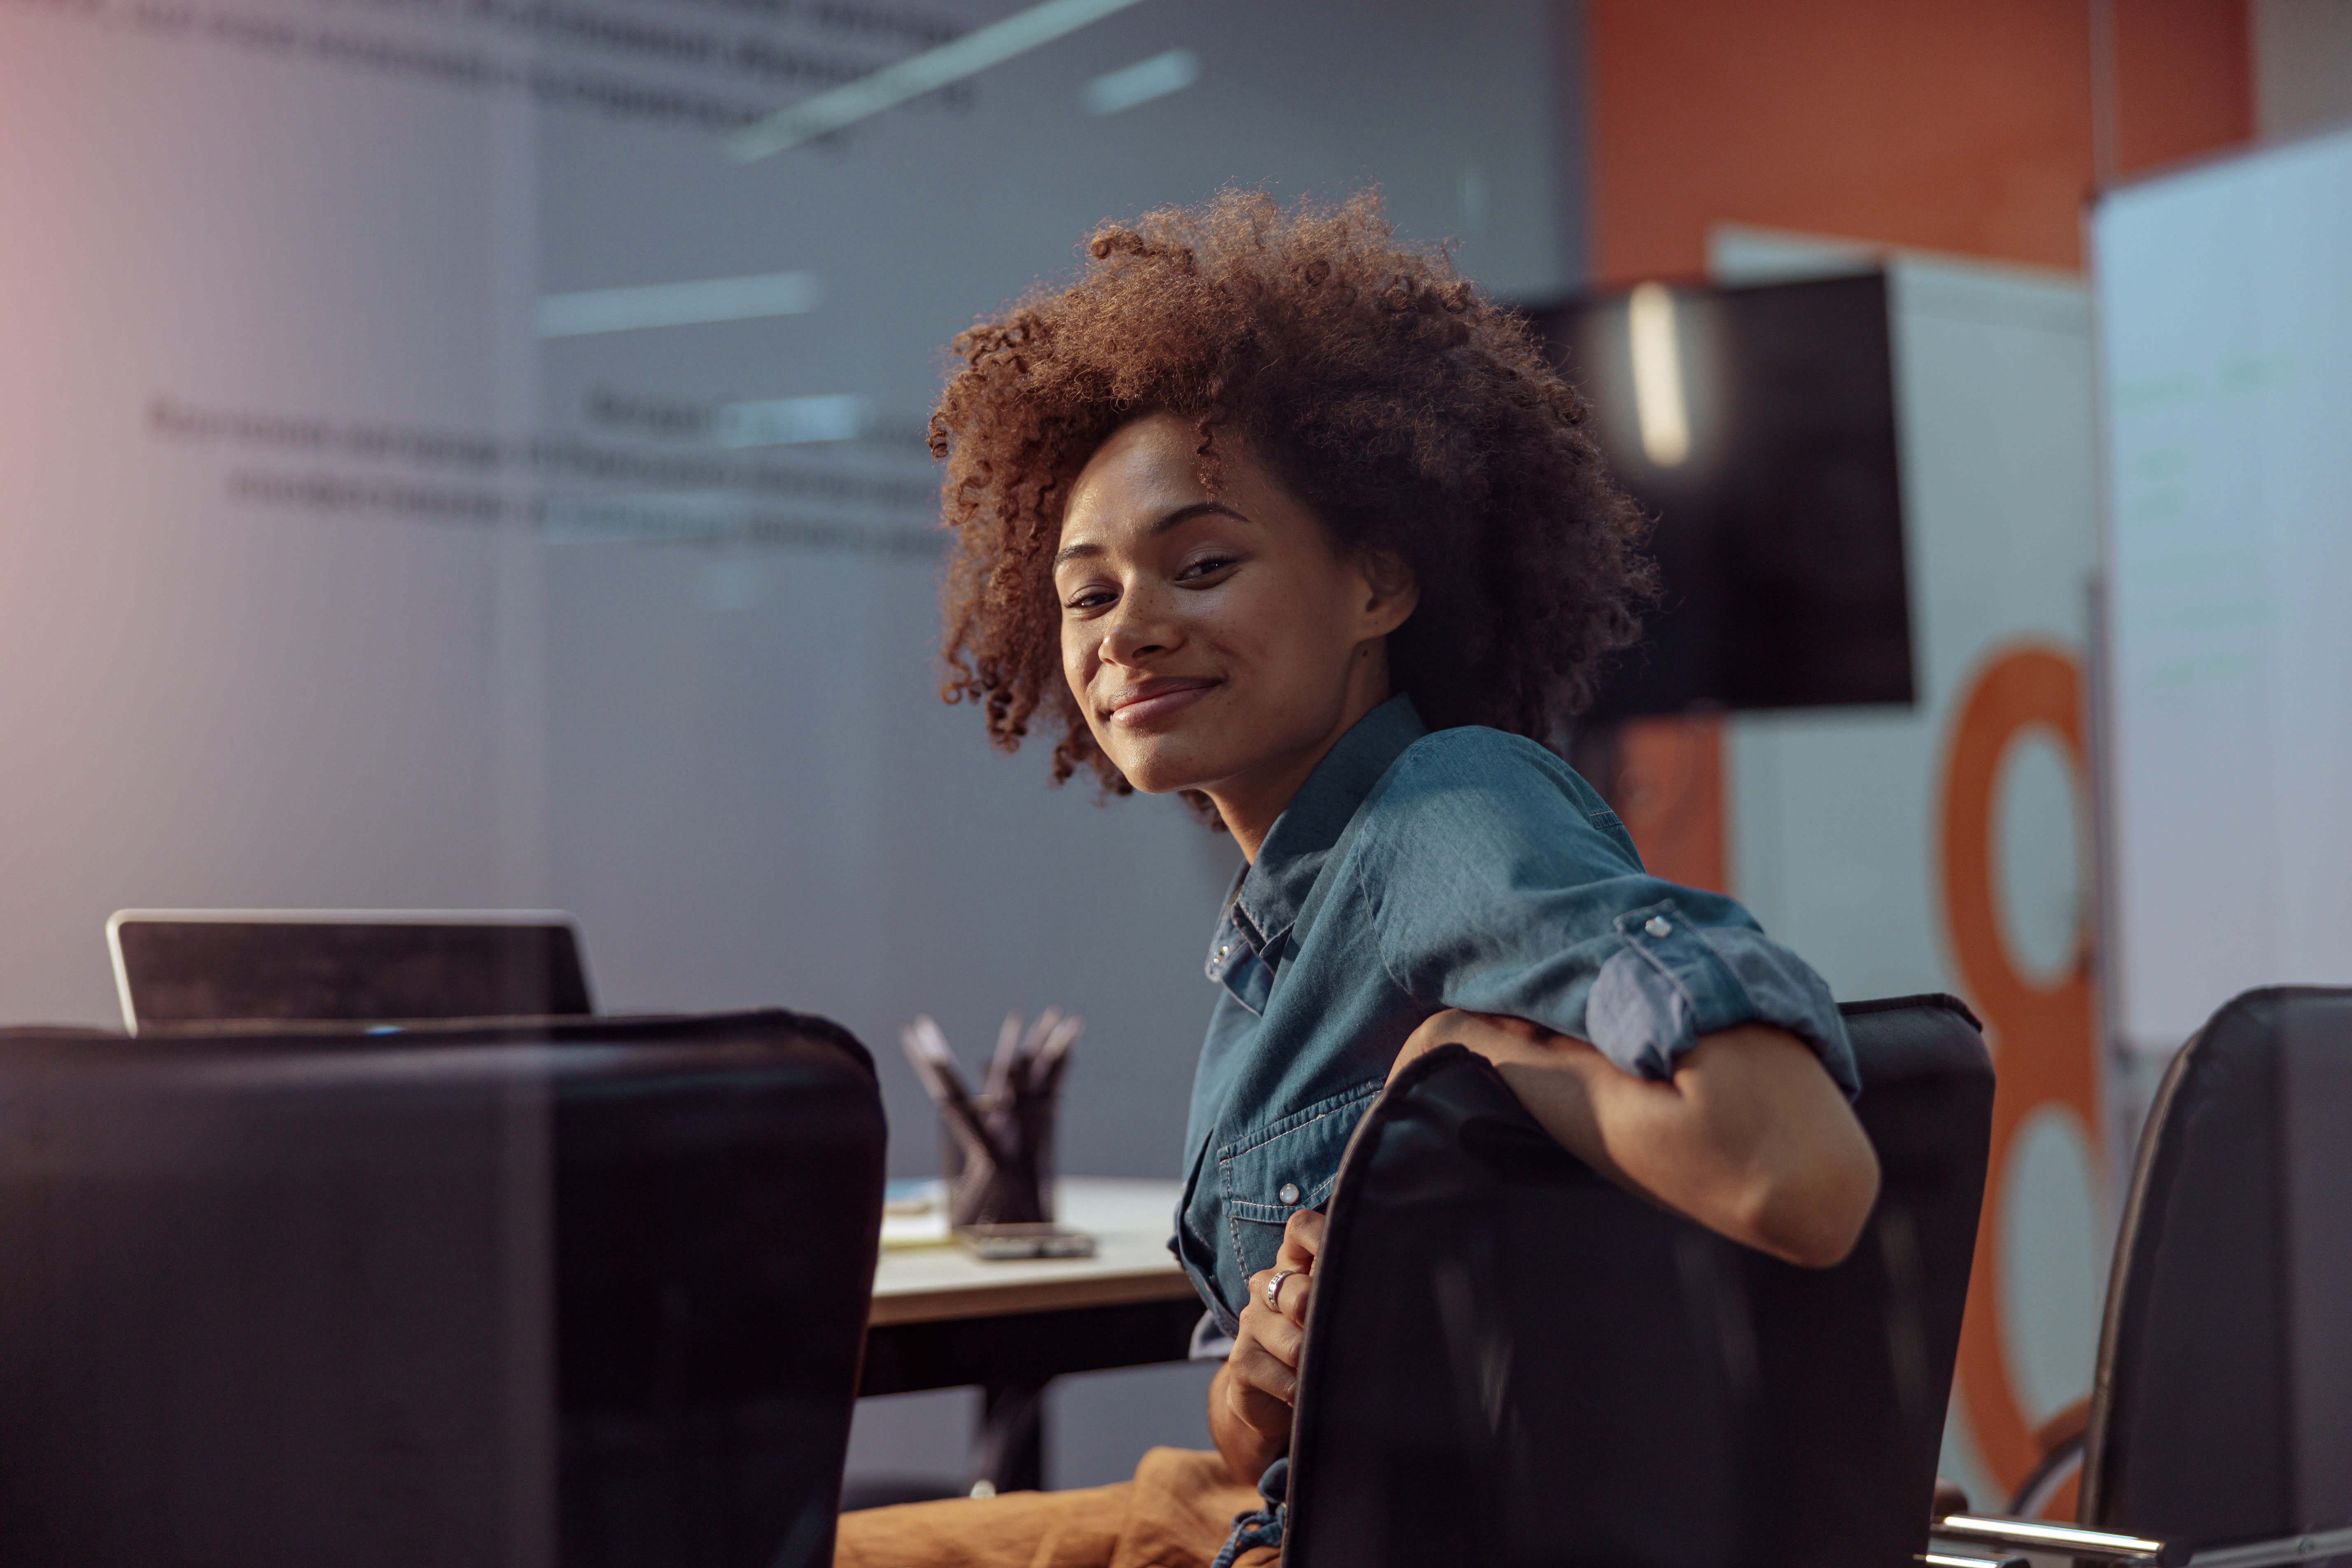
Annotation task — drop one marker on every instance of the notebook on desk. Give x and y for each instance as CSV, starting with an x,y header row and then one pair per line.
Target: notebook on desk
x,y
180,967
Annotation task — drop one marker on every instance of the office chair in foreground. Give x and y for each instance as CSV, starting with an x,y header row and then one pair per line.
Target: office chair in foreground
x,y
512,1294
1513,1362
2220,1429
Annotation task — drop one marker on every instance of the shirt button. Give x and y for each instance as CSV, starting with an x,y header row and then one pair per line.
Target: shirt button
x,y
1224,949
1289,1193
1658,925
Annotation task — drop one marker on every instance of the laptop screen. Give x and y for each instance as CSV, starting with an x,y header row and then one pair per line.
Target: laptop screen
x,y
206,966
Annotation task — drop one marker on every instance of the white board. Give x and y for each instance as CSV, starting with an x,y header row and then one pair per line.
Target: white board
x,y
2225,301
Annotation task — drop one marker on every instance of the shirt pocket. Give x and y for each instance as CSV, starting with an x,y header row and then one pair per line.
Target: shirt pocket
x,y
1266,1175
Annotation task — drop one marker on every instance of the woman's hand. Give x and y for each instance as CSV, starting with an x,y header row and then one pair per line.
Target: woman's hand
x,y
1751,1138
1250,1399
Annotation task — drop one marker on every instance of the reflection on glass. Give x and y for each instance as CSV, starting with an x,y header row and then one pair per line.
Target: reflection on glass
x,y
1658,376
792,421
1162,74
689,304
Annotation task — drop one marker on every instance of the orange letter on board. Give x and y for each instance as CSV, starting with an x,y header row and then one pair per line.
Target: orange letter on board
x,y
2041,1034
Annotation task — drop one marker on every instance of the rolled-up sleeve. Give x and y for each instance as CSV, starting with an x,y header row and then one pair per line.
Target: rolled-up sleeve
x,y
1500,883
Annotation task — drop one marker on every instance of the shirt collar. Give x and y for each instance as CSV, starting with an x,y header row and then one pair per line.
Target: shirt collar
x,y
1275,884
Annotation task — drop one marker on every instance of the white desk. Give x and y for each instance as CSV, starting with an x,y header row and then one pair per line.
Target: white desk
x,y
1130,1221
942,1318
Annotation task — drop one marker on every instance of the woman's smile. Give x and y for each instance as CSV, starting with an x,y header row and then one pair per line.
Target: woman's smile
x,y
1153,704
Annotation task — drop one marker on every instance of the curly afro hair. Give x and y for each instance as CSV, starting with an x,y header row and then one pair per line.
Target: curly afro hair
x,y
1410,414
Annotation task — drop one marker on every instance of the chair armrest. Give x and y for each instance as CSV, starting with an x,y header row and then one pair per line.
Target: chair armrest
x,y
2040,1535
2315,1547
2137,1552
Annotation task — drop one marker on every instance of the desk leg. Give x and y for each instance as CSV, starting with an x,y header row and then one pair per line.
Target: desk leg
x,y
1013,1437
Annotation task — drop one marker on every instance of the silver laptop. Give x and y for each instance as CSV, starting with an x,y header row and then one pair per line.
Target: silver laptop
x,y
181,967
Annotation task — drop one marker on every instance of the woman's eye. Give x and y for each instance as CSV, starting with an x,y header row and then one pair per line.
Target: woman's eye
x,y
1207,566
1088,599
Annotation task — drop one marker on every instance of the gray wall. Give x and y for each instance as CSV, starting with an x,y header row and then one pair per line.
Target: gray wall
x,y
266,647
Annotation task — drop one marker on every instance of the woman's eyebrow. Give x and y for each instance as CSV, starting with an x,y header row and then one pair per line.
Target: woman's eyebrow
x,y
1176,519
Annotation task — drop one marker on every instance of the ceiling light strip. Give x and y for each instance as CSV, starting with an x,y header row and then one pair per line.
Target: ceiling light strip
x,y
927,72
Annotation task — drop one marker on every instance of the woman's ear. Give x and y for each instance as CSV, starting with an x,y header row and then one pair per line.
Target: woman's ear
x,y
1392,590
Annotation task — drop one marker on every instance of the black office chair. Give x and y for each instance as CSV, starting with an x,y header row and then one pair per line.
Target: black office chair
x,y
2220,1419
1512,1362
511,1293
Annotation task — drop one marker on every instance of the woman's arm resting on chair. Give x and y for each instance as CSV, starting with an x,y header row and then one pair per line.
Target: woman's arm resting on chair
x,y
1751,1138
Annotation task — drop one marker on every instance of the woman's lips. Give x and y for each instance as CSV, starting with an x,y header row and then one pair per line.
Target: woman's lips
x,y
1156,701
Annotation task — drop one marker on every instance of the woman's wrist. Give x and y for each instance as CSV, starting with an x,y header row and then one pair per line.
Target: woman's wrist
x,y
1246,1450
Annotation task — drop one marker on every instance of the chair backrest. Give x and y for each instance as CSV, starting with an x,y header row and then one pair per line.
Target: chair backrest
x,y
2221,1410
579,1292
1512,1362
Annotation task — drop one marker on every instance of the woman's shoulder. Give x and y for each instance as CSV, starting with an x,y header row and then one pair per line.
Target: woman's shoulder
x,y
1472,761
1453,787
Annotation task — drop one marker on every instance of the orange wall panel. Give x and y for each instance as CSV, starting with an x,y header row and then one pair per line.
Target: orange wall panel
x,y
2184,74
1948,126
1669,794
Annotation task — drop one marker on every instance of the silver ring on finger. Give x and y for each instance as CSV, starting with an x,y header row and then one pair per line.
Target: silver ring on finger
x,y
1274,1288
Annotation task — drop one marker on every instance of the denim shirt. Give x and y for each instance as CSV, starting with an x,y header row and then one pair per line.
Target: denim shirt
x,y
1415,872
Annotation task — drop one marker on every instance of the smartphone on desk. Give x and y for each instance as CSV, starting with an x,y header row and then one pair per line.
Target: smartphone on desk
x,y
998,1243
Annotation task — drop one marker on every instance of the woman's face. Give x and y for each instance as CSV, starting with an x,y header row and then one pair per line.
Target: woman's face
x,y
1214,643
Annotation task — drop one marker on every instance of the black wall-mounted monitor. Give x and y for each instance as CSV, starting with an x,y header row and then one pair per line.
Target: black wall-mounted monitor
x,y
1757,426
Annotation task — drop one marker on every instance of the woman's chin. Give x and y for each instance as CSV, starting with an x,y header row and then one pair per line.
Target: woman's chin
x,y
1157,772
1148,782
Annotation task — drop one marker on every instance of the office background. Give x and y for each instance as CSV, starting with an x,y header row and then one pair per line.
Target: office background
x,y
437,475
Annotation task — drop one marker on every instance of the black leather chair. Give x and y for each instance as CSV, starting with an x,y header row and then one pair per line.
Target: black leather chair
x,y
507,1293
1512,1362
2220,1419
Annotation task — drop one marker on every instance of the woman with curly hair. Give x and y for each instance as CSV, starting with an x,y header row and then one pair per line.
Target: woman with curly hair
x,y
1273,512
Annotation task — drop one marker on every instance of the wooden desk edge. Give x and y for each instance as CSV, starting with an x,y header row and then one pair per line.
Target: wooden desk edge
x,y
1029,1296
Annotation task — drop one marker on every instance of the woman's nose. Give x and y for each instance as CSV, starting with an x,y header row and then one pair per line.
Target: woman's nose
x,y
1135,632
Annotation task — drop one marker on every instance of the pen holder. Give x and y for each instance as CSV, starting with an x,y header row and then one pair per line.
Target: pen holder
x,y
997,1147
1010,1179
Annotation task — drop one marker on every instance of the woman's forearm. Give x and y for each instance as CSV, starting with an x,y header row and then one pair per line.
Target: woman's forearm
x,y
1751,1138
